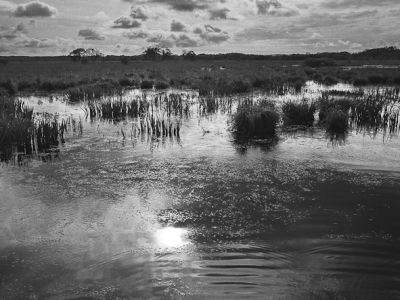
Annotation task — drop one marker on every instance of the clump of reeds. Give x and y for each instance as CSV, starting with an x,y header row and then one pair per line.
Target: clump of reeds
x,y
146,84
48,134
298,113
340,93
326,104
161,85
16,125
377,110
92,91
336,123
371,111
254,120
21,135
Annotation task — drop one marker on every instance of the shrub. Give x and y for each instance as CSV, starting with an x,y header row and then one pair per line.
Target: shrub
x,y
360,82
125,82
298,113
25,85
296,82
162,85
374,79
146,84
319,62
10,87
329,80
239,87
326,105
124,60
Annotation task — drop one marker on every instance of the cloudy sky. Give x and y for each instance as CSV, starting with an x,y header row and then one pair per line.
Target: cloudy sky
x,y
55,27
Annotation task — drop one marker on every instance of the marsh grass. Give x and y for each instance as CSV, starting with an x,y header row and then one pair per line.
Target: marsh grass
x,y
147,84
378,110
22,136
254,120
337,124
371,112
92,91
16,123
156,115
298,113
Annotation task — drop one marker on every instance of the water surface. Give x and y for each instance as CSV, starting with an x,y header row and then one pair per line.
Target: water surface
x,y
199,216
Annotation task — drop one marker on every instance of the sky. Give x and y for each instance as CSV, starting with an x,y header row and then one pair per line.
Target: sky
x,y
127,27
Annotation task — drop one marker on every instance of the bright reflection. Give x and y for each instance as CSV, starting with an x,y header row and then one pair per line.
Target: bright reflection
x,y
170,237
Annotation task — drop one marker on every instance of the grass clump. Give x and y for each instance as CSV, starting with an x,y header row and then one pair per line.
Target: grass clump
x,y
336,123
92,91
254,121
327,104
146,84
162,85
16,125
298,114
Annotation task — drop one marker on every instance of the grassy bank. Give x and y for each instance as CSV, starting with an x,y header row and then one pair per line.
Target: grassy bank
x,y
216,77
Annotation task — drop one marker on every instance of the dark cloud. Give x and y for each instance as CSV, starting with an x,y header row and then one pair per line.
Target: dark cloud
x,y
183,5
136,35
90,34
138,13
264,6
34,9
125,22
335,4
210,28
8,35
274,8
177,26
216,14
198,30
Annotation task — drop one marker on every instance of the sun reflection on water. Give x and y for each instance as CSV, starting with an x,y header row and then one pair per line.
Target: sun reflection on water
x,y
171,237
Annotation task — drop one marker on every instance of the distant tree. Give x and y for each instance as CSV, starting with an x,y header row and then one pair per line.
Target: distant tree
x,y
79,52
166,53
189,55
152,53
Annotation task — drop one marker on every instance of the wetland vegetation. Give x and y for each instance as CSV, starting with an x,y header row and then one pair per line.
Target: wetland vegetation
x,y
125,178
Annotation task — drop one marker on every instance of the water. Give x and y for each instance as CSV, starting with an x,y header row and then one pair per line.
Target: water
x,y
200,217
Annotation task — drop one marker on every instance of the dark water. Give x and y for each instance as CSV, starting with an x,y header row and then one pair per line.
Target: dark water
x,y
200,217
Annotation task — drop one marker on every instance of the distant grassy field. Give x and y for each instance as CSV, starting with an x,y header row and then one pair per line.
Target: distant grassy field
x,y
208,76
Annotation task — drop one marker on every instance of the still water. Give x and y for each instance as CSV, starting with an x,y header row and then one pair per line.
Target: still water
x,y
118,216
